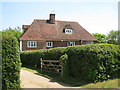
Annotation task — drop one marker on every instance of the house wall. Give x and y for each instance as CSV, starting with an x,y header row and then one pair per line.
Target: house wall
x,y
42,44
62,43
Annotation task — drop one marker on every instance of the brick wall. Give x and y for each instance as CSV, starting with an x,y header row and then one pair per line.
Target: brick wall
x,y
42,44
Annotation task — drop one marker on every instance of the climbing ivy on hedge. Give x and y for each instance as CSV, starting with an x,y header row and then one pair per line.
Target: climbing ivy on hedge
x,y
91,63
10,62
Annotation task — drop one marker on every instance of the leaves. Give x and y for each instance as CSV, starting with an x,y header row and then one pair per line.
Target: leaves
x,y
10,62
113,37
101,37
90,63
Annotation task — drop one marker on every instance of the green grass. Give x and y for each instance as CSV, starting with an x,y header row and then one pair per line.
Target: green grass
x,y
115,83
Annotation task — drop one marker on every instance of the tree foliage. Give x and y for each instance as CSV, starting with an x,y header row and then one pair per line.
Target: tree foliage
x,y
15,32
113,37
101,37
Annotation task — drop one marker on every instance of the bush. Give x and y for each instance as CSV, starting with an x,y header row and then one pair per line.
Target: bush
x,y
32,58
89,63
10,62
94,63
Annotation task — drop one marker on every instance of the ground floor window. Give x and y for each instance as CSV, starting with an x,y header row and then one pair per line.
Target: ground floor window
x,y
49,44
70,43
90,42
32,44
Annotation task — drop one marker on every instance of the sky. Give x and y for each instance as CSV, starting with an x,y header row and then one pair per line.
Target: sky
x,y
96,16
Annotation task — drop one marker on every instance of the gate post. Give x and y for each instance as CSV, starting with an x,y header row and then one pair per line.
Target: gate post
x,y
41,64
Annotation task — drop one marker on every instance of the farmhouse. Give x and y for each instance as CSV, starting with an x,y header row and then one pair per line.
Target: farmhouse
x,y
45,34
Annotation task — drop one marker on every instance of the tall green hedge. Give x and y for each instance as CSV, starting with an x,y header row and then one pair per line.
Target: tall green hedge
x,y
94,63
32,58
91,63
10,62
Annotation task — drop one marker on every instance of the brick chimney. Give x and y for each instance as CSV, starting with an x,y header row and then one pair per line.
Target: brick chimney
x,y
52,19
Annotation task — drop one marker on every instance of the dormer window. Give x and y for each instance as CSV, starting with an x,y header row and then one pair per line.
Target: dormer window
x,y
68,31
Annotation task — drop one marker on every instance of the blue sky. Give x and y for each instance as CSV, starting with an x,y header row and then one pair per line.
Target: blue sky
x,y
95,17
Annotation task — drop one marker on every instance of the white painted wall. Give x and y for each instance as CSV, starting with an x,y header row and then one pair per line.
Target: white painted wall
x,y
20,45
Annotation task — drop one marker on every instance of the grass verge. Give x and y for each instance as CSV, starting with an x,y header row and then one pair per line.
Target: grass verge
x,y
115,83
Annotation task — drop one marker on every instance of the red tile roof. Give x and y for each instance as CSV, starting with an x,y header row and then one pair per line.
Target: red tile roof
x,y
41,30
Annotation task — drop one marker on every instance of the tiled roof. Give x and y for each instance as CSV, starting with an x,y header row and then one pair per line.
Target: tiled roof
x,y
41,30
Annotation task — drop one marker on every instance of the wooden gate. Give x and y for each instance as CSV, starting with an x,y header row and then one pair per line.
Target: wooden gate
x,y
52,66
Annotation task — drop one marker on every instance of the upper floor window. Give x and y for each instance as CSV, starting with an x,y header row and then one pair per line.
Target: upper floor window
x,y
32,44
49,44
90,42
68,31
71,44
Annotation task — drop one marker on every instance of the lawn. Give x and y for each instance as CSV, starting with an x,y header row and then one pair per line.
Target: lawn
x,y
115,83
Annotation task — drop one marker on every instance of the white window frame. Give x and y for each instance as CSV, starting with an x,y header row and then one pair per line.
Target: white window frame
x,y
70,44
32,44
49,44
68,31
89,42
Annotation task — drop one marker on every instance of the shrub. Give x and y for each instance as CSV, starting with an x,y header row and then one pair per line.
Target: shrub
x,y
94,63
89,63
10,62
64,59
32,58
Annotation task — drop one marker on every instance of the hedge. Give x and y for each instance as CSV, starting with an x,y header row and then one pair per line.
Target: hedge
x,y
90,63
32,58
93,63
10,62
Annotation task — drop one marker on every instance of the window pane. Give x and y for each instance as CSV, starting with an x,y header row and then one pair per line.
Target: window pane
x,y
68,30
71,43
49,44
31,44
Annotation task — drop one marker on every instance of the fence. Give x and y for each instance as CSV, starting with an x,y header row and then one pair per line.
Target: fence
x,y
52,66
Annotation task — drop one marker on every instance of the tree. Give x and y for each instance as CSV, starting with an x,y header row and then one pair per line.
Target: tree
x,y
15,32
101,37
113,37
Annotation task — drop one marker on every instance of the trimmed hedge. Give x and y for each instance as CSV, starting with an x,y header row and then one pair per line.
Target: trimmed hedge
x,y
10,62
90,63
94,63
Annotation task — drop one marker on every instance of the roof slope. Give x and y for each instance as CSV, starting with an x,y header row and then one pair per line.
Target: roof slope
x,y
40,30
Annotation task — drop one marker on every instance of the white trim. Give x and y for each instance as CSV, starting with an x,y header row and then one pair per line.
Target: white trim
x,y
31,44
20,45
49,44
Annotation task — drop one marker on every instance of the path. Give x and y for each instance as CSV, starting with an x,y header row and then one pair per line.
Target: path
x,y
31,80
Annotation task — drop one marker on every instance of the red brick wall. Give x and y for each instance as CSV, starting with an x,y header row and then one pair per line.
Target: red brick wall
x,y
84,42
63,43
42,45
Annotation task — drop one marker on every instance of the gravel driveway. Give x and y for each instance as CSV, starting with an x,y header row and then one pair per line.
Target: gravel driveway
x,y
31,80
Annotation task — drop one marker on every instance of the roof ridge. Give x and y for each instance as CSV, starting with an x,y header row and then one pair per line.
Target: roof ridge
x,y
55,20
